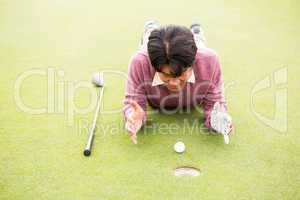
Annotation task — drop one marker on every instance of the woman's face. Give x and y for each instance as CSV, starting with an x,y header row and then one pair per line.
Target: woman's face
x,y
174,84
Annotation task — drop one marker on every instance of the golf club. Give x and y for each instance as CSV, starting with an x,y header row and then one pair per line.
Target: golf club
x,y
97,81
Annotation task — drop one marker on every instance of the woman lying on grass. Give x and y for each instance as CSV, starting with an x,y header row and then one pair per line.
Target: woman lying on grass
x,y
174,70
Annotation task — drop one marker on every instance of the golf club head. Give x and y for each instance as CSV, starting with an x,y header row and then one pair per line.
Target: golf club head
x,y
97,79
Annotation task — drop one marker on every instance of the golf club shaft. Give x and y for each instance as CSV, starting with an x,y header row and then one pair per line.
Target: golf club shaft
x,y
88,148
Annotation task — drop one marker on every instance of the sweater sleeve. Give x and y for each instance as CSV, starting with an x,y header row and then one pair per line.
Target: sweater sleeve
x,y
215,92
135,89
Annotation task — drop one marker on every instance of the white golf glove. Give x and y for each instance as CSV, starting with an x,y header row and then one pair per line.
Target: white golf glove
x,y
221,121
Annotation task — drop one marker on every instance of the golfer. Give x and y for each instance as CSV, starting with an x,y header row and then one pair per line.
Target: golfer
x,y
174,70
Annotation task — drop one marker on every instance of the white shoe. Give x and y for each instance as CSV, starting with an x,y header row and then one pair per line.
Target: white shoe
x,y
198,33
221,121
149,26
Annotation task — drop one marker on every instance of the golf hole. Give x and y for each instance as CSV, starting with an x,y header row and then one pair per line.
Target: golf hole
x,y
186,171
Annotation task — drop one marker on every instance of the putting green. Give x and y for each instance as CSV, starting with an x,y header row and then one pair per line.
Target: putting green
x,y
41,154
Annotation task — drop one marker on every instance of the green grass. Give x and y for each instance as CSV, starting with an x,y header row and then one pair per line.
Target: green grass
x,y
41,155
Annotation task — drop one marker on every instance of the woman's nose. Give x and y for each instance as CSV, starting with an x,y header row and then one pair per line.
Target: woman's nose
x,y
174,82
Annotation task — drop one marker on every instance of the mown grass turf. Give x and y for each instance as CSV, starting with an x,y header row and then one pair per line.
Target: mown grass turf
x,y
41,155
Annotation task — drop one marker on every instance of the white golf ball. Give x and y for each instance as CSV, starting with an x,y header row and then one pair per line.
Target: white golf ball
x,y
179,147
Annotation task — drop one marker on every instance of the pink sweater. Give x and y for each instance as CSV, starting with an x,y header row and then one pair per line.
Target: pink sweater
x,y
207,89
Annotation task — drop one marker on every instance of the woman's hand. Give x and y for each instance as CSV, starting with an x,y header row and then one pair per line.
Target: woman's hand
x,y
221,122
135,120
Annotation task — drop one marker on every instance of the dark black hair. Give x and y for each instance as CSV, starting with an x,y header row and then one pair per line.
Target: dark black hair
x,y
172,45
